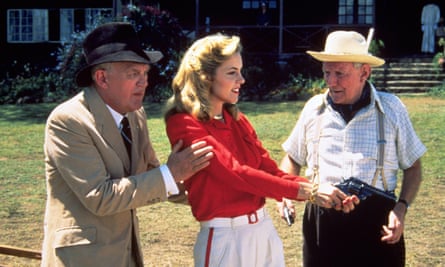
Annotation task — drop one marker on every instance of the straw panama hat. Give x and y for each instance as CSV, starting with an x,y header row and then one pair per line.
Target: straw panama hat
x,y
346,46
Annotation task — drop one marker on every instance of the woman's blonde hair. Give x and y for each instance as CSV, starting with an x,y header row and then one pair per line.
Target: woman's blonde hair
x,y
192,83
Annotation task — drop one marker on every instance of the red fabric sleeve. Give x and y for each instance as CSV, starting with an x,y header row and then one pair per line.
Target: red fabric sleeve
x,y
259,175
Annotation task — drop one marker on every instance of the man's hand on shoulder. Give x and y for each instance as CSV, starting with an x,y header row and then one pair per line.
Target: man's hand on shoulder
x,y
186,162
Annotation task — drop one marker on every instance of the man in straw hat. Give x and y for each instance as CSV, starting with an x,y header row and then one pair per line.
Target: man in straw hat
x,y
94,185
353,130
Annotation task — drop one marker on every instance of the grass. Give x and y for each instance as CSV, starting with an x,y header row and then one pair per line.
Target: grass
x,y
168,231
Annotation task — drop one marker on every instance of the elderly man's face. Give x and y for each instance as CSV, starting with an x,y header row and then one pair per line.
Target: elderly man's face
x,y
122,85
345,80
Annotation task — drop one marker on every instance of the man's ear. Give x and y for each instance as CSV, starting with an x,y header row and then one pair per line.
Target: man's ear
x,y
100,76
366,72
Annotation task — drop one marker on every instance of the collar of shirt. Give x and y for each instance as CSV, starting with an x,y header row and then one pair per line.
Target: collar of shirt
x,y
116,116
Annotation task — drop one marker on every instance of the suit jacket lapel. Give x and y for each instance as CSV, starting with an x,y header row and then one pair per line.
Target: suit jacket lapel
x,y
106,126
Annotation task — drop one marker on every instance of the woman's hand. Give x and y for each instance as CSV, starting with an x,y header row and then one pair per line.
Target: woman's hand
x,y
329,196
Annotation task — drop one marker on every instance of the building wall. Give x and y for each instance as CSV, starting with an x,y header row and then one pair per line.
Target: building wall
x,y
397,23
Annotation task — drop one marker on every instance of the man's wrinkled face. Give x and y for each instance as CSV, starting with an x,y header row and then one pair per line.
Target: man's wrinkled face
x,y
345,80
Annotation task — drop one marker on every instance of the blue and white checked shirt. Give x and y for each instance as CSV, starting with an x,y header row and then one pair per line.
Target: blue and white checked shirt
x,y
350,150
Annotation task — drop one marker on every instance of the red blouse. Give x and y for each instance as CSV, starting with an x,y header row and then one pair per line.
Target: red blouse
x,y
240,175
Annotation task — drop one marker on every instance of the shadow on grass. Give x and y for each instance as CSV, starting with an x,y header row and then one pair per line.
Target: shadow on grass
x,y
28,113
37,113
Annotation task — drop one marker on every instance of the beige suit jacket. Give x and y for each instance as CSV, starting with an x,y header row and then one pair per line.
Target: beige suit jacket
x,y
92,190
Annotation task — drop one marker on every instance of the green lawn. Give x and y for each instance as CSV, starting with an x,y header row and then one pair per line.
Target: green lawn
x,y
168,230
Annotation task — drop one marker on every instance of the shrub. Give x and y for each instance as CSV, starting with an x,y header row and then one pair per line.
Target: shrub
x,y
376,46
300,88
439,57
263,75
70,59
438,91
28,86
159,30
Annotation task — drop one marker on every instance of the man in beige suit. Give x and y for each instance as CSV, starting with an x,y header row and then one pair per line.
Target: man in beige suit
x,y
93,184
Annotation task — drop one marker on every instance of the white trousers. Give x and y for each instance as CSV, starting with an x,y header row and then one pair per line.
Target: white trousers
x,y
241,245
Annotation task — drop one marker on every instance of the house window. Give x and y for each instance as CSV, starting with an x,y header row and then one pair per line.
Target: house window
x,y
255,4
66,18
75,20
356,11
54,25
27,25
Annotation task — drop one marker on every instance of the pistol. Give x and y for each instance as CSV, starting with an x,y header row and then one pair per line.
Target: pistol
x,y
354,186
289,218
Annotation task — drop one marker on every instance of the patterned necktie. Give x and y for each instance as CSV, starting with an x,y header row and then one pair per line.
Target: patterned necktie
x,y
126,134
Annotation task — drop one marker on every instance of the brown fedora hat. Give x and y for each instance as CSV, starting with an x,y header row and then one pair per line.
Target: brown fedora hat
x,y
113,42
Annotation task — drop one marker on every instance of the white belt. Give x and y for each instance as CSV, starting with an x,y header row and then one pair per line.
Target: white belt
x,y
250,218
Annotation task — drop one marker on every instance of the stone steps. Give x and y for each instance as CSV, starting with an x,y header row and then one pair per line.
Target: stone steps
x,y
407,75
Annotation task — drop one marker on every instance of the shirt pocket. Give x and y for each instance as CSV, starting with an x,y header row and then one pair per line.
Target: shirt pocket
x,y
362,159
